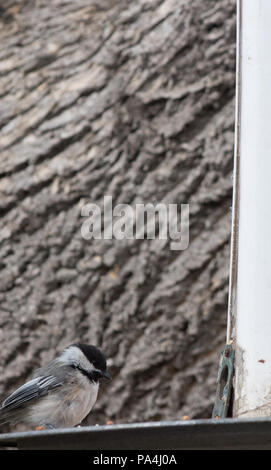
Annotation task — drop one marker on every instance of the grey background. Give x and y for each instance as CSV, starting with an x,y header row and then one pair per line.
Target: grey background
x,y
133,100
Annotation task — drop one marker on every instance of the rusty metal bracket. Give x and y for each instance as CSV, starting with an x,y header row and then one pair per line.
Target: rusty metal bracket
x,y
224,383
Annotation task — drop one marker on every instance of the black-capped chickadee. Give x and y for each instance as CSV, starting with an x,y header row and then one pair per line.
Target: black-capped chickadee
x,y
61,394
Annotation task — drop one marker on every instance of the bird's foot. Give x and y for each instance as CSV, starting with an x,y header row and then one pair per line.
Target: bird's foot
x,y
45,426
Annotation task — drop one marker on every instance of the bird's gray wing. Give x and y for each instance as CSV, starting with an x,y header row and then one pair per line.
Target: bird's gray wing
x,y
35,388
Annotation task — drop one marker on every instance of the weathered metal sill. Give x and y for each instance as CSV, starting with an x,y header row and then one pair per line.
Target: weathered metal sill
x,y
229,433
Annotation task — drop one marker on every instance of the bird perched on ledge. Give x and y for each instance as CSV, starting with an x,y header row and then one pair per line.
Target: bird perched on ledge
x,y
62,393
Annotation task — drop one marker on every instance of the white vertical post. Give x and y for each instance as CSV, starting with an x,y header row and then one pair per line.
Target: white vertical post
x,y
249,323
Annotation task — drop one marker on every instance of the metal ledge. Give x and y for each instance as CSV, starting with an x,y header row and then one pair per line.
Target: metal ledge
x,y
229,433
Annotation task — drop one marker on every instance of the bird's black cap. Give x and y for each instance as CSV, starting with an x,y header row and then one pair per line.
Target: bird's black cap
x,y
94,355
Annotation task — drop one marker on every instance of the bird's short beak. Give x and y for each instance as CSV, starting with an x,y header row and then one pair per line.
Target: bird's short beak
x,y
106,375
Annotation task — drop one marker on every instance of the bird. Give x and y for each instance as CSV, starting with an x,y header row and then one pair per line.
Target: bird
x,y
60,394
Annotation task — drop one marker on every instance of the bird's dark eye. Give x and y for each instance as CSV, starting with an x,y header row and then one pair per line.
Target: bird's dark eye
x,y
96,374
93,375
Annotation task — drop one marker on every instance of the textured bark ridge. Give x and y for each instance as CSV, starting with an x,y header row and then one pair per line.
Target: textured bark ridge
x,y
133,100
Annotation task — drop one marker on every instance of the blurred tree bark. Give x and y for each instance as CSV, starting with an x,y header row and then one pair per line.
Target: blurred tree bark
x,y
133,100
